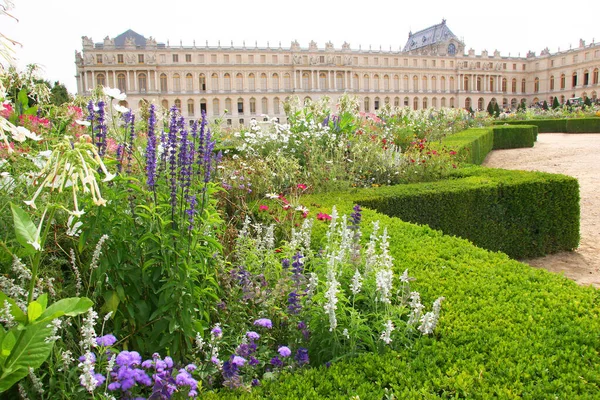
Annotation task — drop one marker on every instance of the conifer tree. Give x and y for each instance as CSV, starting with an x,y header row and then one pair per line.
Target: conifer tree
x,y
587,102
545,105
490,108
555,103
496,110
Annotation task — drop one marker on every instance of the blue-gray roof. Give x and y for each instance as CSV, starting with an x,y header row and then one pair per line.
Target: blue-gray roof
x,y
140,41
434,34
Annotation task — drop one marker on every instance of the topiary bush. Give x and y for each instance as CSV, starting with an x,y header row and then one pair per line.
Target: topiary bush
x,y
472,145
544,125
583,125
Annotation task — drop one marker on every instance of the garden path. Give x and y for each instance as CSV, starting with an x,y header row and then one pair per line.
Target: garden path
x,y
576,155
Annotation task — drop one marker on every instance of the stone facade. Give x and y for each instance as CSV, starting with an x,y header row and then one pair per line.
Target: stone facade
x,y
241,83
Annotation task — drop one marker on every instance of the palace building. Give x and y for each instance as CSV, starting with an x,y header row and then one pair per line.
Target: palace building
x,y
241,83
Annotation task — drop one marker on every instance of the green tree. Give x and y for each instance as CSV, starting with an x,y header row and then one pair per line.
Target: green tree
x,y
59,94
555,103
490,108
587,102
496,110
545,105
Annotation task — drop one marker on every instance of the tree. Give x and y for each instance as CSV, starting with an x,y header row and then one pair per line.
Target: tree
x,y
59,94
587,102
568,103
555,103
490,108
496,110
545,105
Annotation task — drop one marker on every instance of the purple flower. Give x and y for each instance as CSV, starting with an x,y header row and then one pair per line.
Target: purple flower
x,y
106,340
302,356
264,322
275,361
238,361
284,351
229,369
92,357
356,217
255,382
253,361
100,379
216,332
252,335
244,350
151,149
128,358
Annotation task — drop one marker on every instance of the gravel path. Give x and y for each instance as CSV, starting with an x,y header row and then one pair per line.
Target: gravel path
x,y
576,155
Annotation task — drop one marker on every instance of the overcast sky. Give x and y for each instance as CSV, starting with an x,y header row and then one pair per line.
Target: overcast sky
x,y
50,30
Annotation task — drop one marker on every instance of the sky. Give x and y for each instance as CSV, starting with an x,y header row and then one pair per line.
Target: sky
x,y
50,31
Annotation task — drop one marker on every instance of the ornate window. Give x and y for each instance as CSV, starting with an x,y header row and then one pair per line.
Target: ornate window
x,y
263,82
322,81
215,82
239,82
189,83
228,106
275,82
190,107
563,81
451,49
100,80
264,106
121,82
376,82
163,83
365,82
366,104
286,82
251,82
177,83
178,104
215,107
240,106
252,106
536,84
416,103
386,83
202,82
142,83
227,84
276,105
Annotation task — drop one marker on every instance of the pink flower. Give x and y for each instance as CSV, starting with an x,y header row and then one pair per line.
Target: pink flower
x,y
323,217
263,207
302,186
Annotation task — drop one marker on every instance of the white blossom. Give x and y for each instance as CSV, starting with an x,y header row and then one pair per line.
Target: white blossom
x,y
97,252
356,284
387,332
331,298
36,382
384,281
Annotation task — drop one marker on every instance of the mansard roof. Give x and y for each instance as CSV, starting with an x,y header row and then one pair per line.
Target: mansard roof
x,y
434,34
140,41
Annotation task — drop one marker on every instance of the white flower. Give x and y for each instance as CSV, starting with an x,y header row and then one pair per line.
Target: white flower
x,y
383,280
272,196
356,284
387,332
82,123
29,134
18,134
346,334
121,109
114,93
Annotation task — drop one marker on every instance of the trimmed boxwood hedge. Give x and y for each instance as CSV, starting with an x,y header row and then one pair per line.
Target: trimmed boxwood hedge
x,y
472,145
506,330
567,125
512,137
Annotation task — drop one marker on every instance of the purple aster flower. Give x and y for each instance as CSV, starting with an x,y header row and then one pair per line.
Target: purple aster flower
x,y
284,351
285,263
238,361
253,361
252,335
264,322
128,358
229,369
217,332
244,350
100,379
255,382
106,340
276,362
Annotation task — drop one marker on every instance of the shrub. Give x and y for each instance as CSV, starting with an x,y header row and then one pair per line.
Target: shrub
x,y
544,125
472,145
583,125
511,137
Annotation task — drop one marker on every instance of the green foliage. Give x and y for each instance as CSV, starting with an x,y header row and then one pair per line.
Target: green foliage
x,y
545,105
555,103
511,137
471,145
59,94
587,102
583,125
496,110
565,125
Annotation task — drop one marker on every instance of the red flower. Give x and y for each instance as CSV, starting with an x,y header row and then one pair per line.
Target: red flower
x,y
302,186
452,152
323,217
263,207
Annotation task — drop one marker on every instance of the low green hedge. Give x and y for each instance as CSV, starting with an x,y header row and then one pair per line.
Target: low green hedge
x,y
523,214
506,330
567,125
514,136
583,125
472,145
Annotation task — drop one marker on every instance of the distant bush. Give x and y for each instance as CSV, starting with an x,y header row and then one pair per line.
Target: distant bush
x,y
511,137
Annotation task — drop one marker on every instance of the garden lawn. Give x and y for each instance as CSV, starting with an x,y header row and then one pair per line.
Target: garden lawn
x,y
506,331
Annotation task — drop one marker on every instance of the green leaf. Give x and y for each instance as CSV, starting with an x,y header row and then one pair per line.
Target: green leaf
x,y
111,302
25,230
31,350
30,111
14,308
23,99
71,307
43,300
34,310
8,342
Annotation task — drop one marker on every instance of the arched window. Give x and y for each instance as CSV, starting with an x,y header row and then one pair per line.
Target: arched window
x,y
416,103
263,82
478,84
239,82
286,82
189,83
202,82
275,82
451,102
276,105
228,106
355,82
240,106
215,107
252,106
227,82
523,85
142,83
376,82
443,84
480,104
396,101
396,83
176,83
376,104
574,80
386,100
586,77
434,102
386,83
466,83
468,103
121,82
433,85
552,82
406,102
405,79
178,104
415,84
165,104
251,82
163,83
264,106
322,81
307,100
367,105
214,82
100,80
536,84
504,103
443,102
424,103
595,77
492,84
365,82
504,84
190,107
339,81
425,86
563,81
452,85
202,106
513,103
514,85
305,81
